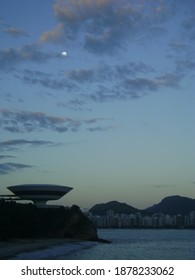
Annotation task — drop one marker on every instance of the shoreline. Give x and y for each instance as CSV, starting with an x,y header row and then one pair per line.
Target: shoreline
x,y
52,248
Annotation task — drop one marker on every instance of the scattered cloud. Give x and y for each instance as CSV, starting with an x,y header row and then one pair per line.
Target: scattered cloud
x,y
11,167
27,121
132,69
105,83
73,104
163,186
2,157
10,57
15,32
106,94
46,80
81,75
74,79
107,72
135,87
188,25
139,86
105,25
101,128
160,186
178,46
183,66
11,145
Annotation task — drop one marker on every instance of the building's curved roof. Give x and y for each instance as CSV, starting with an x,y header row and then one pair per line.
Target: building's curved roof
x,y
39,192
39,188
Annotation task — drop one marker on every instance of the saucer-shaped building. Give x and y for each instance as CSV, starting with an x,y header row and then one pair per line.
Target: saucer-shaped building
x,y
39,193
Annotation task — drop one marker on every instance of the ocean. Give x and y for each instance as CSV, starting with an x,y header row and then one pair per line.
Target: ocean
x,y
141,244
126,244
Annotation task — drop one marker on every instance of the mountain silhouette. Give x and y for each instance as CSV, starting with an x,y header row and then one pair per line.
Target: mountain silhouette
x,y
117,207
171,205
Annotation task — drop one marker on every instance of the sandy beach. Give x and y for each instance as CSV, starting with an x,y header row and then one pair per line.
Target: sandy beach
x,y
38,249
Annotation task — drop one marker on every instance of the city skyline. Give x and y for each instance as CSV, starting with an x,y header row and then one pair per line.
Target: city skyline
x,y
99,96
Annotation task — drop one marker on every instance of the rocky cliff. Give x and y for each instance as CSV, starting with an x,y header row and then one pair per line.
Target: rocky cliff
x,y
26,221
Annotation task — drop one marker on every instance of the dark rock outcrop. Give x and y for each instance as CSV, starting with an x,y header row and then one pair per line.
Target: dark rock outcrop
x,y
79,226
27,221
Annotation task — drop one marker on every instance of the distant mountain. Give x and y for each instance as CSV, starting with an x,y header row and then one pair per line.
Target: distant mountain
x,y
117,207
173,205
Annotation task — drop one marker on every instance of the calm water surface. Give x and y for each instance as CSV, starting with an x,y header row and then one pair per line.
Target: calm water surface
x,y
132,244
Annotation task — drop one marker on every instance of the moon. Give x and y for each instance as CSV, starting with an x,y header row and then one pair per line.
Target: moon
x,y
64,54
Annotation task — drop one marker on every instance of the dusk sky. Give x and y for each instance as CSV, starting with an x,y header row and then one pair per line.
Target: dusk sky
x,y
114,118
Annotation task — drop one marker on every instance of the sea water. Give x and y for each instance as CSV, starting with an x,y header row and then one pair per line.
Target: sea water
x,y
140,244
126,244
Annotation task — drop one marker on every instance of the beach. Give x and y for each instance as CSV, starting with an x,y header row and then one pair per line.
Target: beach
x,y
35,249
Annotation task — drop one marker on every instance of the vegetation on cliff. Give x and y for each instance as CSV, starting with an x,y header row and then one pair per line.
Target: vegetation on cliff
x,y
27,221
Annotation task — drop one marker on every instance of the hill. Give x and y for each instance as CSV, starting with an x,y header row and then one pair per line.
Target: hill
x,y
117,207
173,205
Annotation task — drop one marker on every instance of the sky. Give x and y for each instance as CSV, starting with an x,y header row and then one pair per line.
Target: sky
x,y
114,118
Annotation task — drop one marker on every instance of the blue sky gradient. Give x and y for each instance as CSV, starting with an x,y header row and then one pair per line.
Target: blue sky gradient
x,y
114,119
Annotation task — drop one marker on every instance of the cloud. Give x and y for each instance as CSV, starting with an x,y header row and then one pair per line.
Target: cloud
x,y
54,36
136,87
10,57
132,69
108,83
188,25
106,72
145,84
11,145
27,121
160,186
46,80
81,75
100,128
5,156
178,46
163,186
10,167
140,84
184,66
105,94
16,32
105,25
170,80
73,104
11,30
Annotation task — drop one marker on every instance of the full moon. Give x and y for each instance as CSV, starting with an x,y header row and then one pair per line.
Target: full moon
x,y
64,53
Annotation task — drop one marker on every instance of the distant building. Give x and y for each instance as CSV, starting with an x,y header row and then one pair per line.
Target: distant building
x,y
192,219
38,193
138,220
